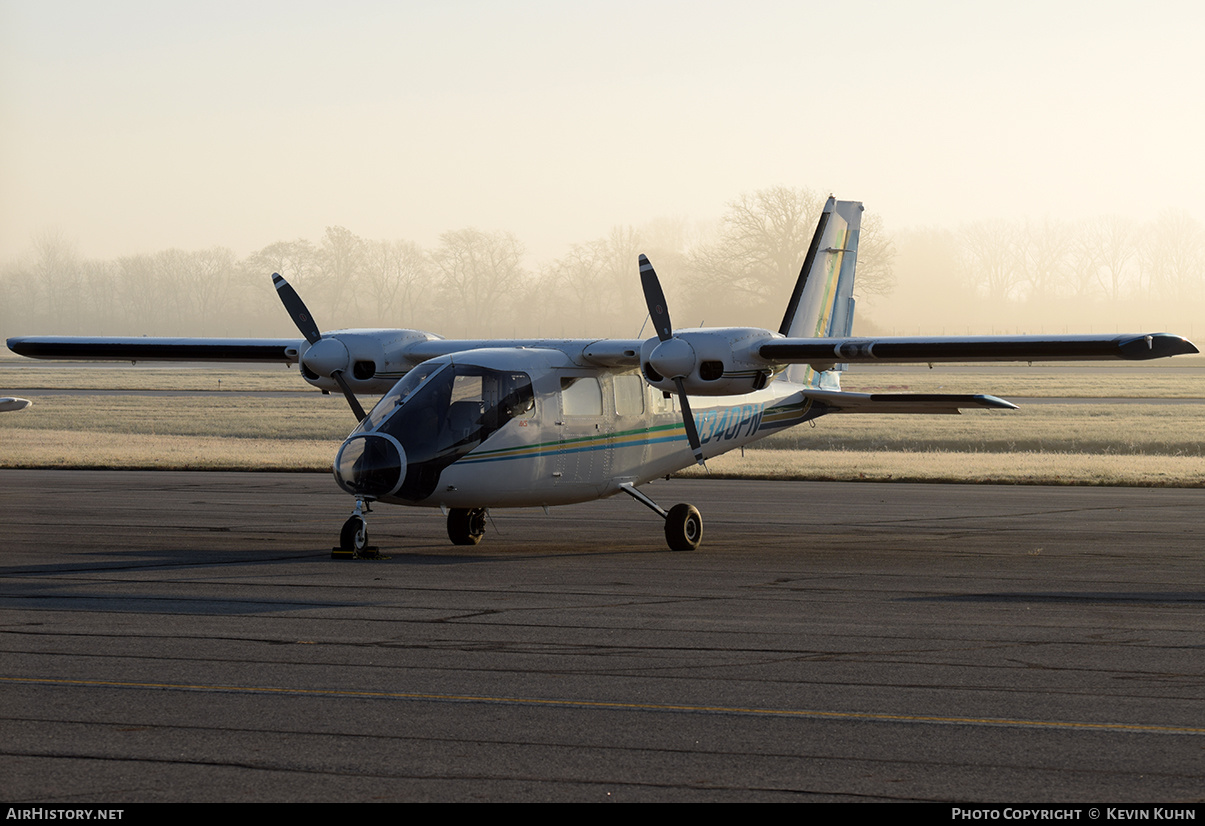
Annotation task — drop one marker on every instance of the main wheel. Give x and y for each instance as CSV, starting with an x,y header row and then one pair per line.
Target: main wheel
x,y
466,526
354,536
683,528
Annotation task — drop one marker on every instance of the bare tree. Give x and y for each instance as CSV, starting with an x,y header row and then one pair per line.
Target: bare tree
x,y
991,249
1173,256
341,261
296,260
55,270
397,279
621,274
1044,252
763,237
210,278
762,243
14,304
143,295
578,276
876,258
1115,243
479,275
101,296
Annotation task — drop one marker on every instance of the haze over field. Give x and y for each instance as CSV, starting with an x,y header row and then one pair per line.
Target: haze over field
x,y
133,128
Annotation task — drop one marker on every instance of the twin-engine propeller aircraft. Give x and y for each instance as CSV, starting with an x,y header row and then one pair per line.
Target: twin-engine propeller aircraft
x,y
470,425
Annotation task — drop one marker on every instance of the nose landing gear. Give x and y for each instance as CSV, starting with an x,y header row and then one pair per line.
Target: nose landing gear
x,y
353,538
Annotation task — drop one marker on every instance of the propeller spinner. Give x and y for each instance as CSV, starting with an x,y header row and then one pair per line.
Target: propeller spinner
x,y
673,358
325,356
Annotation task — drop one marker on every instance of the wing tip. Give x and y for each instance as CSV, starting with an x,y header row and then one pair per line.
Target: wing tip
x,y
1156,346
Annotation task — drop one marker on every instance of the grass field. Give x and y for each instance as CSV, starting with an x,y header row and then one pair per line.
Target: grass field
x,y
1138,443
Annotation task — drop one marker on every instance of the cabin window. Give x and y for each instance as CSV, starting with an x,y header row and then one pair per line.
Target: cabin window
x,y
581,396
629,395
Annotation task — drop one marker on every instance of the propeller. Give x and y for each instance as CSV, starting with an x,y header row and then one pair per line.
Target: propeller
x,y
325,356
673,358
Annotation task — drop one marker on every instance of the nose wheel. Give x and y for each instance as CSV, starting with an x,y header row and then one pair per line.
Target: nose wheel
x,y
353,538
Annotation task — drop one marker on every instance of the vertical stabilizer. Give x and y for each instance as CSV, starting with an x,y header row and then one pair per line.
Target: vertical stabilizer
x,y
822,304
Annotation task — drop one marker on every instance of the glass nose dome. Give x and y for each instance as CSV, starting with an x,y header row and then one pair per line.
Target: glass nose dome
x,y
371,465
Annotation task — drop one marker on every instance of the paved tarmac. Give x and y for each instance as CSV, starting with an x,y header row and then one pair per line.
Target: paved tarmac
x,y
186,637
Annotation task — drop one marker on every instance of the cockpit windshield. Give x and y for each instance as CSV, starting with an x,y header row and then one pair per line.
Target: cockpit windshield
x,y
400,392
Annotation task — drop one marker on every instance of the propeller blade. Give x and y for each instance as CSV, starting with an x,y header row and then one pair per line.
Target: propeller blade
x,y
309,328
296,308
350,396
692,432
655,299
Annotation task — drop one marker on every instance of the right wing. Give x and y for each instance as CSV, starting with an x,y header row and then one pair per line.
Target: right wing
x,y
107,348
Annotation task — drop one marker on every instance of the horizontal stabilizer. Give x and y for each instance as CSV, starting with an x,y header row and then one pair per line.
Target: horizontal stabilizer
x,y
822,351
842,402
101,348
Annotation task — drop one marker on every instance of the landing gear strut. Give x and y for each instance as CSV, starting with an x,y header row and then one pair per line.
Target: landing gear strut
x,y
683,523
466,526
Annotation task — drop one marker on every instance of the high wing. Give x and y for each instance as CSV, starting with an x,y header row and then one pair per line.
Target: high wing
x,y
822,351
625,353
107,348
807,352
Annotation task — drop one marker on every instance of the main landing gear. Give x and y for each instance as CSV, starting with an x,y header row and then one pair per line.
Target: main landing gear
x,y
683,523
466,526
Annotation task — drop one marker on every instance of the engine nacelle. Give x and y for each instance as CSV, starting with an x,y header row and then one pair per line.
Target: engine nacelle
x,y
372,361
720,361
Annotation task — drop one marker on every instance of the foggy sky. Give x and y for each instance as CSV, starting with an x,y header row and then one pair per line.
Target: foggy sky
x,y
136,126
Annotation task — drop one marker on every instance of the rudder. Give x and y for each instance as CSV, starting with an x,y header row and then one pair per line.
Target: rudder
x,y
822,304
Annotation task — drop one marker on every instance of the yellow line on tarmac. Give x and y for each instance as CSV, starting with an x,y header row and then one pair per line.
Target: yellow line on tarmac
x,y
530,701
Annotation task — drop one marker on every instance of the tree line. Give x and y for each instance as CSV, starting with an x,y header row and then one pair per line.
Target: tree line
x,y
477,283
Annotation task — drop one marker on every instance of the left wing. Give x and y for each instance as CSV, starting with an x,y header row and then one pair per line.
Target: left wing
x,y
821,352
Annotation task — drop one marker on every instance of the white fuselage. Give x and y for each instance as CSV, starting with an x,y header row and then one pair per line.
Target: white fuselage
x,y
589,430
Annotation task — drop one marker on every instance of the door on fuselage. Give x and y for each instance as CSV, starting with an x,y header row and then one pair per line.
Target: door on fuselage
x,y
583,459
635,406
